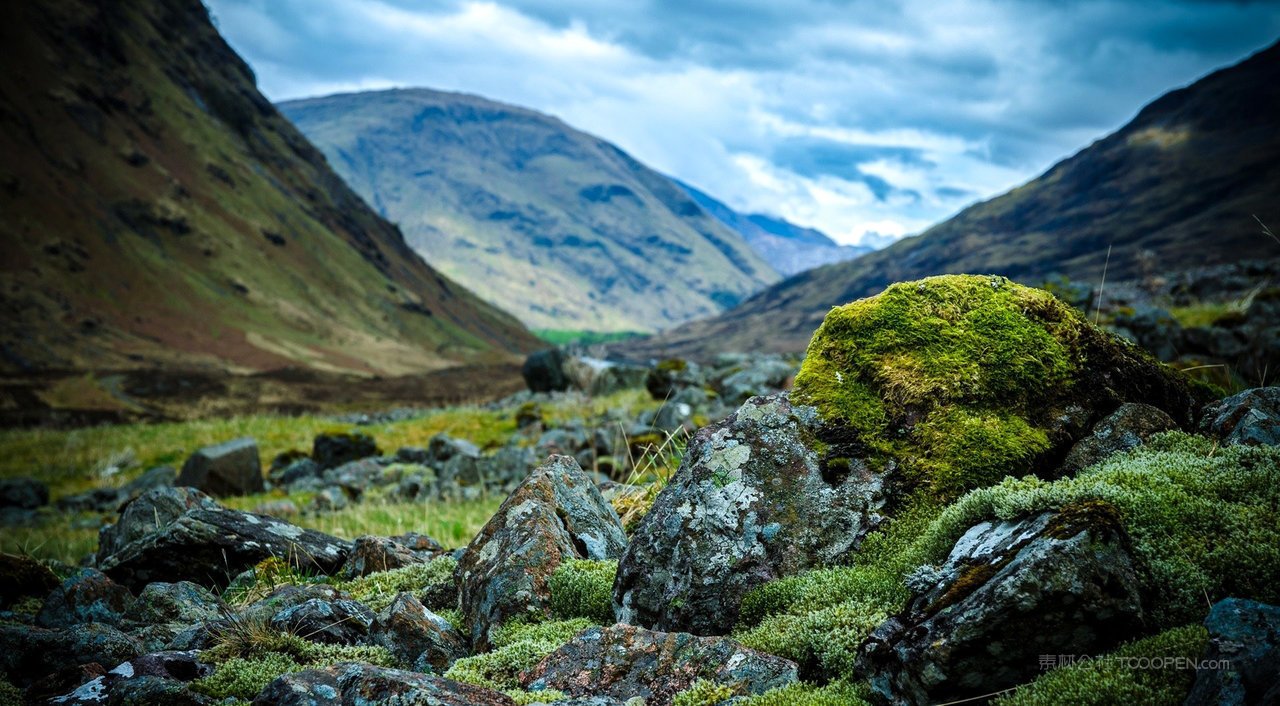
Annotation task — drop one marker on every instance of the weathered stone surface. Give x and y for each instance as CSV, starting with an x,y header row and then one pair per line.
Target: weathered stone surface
x,y
416,636
289,596
1127,427
111,499
1251,417
543,371
1247,635
625,661
156,679
179,604
749,504
601,377
555,514
178,534
670,376
87,596
1056,583
28,653
372,554
22,576
757,376
338,622
333,450
366,685
230,468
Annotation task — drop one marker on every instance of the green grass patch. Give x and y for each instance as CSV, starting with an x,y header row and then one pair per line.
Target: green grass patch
x,y
562,337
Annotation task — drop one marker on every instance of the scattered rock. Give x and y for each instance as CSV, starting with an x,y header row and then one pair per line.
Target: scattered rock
x,y
1127,427
230,468
1056,583
624,661
283,509
750,503
543,371
337,622
29,653
760,376
22,576
1247,635
555,514
601,377
333,450
352,683
180,604
156,679
1251,417
372,554
87,596
289,596
177,534
23,493
417,636
111,499
670,376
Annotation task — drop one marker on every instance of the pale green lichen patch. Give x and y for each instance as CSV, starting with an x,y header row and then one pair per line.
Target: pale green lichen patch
x,y
583,588
379,589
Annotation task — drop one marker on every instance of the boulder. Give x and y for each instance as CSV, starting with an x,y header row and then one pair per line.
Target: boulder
x,y
336,622
230,468
750,503
1056,583
367,685
1127,427
288,596
1246,635
543,371
111,499
28,652
760,376
180,604
155,679
180,534
87,596
555,514
602,377
300,473
334,449
1251,417
416,636
23,493
670,376
625,661
22,576
372,554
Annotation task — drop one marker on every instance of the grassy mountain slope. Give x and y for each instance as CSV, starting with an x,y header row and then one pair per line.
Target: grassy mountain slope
x,y
559,227
788,247
159,212
1177,187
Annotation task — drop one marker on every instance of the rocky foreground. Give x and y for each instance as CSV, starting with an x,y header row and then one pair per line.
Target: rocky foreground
x,y
970,492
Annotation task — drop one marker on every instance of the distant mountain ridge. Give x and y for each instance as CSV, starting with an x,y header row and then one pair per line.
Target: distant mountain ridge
x,y
788,247
160,213
1182,185
559,227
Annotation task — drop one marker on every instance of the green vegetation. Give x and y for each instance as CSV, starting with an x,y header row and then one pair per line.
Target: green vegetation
x,y
1116,677
703,692
378,590
562,337
546,696
517,647
837,693
10,695
974,357
583,588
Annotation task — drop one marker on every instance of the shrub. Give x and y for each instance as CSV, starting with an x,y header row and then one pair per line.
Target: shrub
x,y
517,647
1109,680
583,588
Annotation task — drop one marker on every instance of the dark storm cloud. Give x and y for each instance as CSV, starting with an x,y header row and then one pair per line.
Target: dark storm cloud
x,y
851,115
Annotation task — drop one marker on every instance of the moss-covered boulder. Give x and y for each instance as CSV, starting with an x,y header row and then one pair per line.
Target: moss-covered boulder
x,y
959,380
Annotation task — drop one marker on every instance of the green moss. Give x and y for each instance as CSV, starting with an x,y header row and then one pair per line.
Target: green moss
x,y
824,641
1118,678
10,695
583,588
837,693
378,590
546,696
244,678
703,692
672,365
946,374
517,647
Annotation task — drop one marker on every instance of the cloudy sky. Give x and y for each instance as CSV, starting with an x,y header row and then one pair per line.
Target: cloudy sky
x,y
856,117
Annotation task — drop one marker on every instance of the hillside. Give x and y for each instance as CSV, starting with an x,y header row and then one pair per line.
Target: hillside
x,y
559,227
160,213
1177,187
788,247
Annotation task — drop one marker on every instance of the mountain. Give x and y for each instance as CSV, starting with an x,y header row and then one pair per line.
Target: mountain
x,y
559,227
159,212
1177,187
788,247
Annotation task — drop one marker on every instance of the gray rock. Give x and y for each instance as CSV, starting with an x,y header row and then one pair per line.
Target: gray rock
x,y
230,468
443,447
670,376
28,653
333,450
1129,426
289,596
416,636
111,499
23,493
1056,583
180,534
336,622
761,376
330,499
1247,635
372,554
750,503
1251,417
601,377
178,604
555,514
87,596
353,683
300,471
543,371
625,661
155,679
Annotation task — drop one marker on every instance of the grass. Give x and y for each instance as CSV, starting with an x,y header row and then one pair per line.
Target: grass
x,y
560,337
